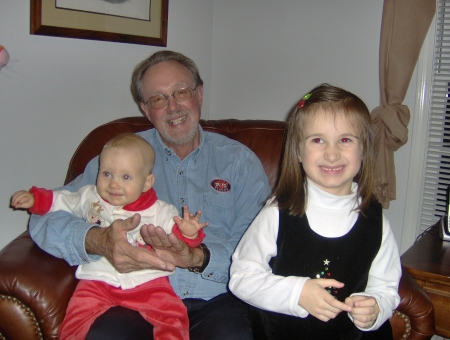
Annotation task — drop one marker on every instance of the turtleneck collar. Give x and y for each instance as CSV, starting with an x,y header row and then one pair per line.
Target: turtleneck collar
x,y
146,200
322,198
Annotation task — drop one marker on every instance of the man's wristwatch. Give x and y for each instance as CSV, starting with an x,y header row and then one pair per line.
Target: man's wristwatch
x,y
206,256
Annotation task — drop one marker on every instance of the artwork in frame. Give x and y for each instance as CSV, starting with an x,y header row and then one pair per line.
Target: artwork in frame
x,y
141,22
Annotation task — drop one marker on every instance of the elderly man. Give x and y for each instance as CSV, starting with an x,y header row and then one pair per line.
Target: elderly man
x,y
202,170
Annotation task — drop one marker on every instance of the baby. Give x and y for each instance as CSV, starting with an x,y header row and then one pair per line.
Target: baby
x,y
123,189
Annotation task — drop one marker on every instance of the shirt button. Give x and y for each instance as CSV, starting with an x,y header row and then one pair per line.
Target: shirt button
x,y
180,172
182,200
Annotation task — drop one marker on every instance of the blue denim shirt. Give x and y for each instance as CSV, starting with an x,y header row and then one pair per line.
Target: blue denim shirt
x,y
222,177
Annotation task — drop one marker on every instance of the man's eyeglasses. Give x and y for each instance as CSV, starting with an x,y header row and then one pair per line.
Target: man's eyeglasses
x,y
159,101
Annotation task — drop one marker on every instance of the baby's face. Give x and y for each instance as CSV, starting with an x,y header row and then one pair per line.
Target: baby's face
x,y
121,177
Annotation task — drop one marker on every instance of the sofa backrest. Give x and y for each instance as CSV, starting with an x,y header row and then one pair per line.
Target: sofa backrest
x,y
264,137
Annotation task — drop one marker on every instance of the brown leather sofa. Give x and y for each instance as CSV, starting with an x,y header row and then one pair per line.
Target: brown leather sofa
x,y
35,287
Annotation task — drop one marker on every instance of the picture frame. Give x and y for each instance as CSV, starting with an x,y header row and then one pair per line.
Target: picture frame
x,y
47,19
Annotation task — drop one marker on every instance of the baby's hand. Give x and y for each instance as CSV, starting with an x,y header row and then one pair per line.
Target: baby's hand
x,y
190,224
22,200
318,302
365,310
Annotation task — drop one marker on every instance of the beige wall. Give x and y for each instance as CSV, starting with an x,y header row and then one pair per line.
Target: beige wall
x,y
257,57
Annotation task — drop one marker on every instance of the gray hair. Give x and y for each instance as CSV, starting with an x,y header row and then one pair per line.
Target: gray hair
x,y
156,58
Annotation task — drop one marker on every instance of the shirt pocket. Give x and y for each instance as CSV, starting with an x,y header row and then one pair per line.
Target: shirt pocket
x,y
218,209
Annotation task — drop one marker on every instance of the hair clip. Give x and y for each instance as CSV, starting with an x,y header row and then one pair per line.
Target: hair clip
x,y
302,102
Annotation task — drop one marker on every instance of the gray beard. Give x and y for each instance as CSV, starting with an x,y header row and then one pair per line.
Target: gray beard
x,y
188,138
179,141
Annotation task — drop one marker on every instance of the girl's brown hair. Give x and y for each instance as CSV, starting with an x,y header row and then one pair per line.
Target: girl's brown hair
x,y
291,190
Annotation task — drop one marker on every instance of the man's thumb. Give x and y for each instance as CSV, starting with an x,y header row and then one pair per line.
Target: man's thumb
x,y
132,222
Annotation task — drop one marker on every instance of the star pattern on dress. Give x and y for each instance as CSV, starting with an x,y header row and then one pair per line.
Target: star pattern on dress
x,y
326,274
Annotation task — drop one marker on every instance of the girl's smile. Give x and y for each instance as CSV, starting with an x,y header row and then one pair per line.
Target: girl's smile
x,y
331,152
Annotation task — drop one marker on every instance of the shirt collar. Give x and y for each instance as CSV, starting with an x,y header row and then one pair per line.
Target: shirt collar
x,y
145,201
196,152
322,198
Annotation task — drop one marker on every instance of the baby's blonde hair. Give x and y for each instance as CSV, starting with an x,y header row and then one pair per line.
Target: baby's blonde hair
x,y
131,140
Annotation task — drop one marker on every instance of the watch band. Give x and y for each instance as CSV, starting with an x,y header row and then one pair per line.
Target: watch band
x,y
206,256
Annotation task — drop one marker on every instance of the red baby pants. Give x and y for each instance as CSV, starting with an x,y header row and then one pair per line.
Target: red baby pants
x,y
155,301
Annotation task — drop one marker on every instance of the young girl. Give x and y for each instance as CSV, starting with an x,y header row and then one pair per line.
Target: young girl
x,y
320,260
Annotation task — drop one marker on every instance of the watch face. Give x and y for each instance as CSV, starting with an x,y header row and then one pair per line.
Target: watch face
x,y
194,269
206,256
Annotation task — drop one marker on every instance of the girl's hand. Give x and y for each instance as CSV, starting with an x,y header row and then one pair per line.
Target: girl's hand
x,y
190,224
365,310
22,200
318,302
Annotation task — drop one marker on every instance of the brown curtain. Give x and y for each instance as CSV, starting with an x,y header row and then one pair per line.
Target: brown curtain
x,y
404,26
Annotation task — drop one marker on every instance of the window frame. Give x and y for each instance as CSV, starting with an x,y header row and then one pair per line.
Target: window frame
x,y
419,140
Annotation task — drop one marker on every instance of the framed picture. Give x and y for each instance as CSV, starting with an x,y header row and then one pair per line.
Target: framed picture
x,y
141,22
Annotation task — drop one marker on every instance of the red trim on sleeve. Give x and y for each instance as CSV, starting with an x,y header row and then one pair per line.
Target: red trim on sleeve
x,y
191,242
43,200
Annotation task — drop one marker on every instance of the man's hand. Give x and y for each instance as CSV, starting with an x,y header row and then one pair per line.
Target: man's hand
x,y
169,248
112,243
365,310
318,302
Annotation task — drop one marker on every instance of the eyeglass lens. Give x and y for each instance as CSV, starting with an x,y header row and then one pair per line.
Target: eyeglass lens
x,y
159,101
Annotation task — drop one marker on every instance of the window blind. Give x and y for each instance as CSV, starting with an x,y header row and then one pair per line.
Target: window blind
x,y
437,161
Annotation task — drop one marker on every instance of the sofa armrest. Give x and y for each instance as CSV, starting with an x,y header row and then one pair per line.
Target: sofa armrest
x,y
35,289
415,314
